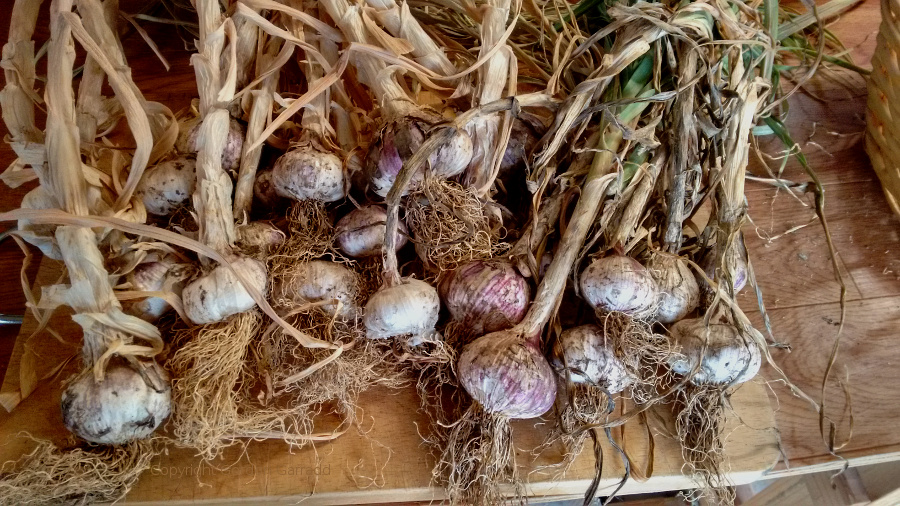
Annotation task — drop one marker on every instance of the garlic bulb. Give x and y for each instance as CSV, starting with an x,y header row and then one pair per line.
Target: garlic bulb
x,y
154,276
219,294
259,235
307,173
188,142
486,296
167,186
411,307
736,260
360,233
319,280
679,293
121,408
619,283
264,191
727,358
591,359
398,142
508,375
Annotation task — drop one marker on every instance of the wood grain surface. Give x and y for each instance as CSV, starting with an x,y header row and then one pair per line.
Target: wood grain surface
x,y
792,264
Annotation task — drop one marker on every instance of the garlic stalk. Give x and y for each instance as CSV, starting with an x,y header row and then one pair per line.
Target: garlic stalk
x,y
311,170
110,354
217,294
400,22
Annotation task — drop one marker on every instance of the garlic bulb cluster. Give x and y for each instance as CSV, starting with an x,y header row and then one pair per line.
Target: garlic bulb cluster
x,y
189,142
360,233
219,294
398,142
321,280
679,293
508,375
167,186
589,358
307,173
486,295
619,283
408,308
121,408
723,355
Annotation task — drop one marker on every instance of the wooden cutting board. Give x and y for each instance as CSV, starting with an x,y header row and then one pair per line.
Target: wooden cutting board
x,y
385,460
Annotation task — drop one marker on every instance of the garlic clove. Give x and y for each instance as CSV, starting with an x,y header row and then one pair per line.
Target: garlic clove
x,y
619,283
412,307
360,233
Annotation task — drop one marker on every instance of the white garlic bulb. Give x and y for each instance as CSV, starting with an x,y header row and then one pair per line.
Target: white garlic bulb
x,y
219,294
619,283
167,186
410,307
320,280
727,356
306,173
360,233
121,408
189,142
590,358
679,293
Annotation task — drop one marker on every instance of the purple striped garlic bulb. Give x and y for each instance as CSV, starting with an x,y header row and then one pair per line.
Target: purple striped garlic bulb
x,y
408,308
679,293
486,295
360,233
723,355
586,356
619,283
507,374
164,274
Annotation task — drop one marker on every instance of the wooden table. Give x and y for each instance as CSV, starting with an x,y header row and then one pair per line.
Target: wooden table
x,y
795,277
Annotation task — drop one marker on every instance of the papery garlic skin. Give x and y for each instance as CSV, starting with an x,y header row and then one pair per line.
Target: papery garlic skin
x,y
360,233
486,295
679,293
321,280
219,294
589,357
40,235
619,283
168,186
411,307
724,356
121,408
507,375
306,173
